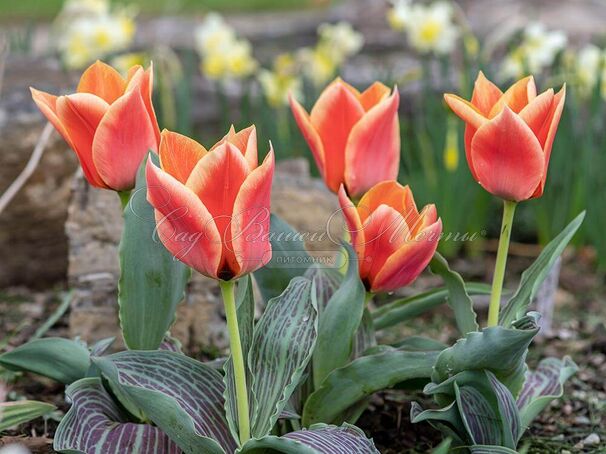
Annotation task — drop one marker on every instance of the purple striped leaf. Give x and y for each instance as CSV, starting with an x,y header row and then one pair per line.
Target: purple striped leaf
x,y
95,424
180,395
480,420
543,385
318,439
282,345
326,281
508,411
484,449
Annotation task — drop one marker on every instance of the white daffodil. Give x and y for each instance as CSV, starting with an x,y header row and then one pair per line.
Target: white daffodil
x,y
317,65
398,15
340,40
431,28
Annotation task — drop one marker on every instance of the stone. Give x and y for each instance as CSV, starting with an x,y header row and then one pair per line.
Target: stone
x,y
94,227
591,440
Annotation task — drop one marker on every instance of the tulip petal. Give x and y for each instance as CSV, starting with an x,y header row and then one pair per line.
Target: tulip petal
x,y
405,265
385,231
354,224
465,110
372,153
245,140
547,135
470,131
507,157
333,116
373,95
516,97
102,80
392,194
537,112
184,225
81,114
251,218
179,154
143,80
124,137
485,94
310,134
427,217
47,104
216,180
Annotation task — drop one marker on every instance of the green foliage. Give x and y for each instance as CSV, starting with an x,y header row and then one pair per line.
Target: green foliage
x,y
19,412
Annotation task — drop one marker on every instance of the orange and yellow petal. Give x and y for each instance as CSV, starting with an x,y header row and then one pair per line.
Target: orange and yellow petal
x,y
102,80
179,154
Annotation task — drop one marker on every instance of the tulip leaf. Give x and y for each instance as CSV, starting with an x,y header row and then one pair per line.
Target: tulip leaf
x,y
95,423
15,413
245,309
326,282
542,386
339,322
410,307
534,276
362,377
364,338
419,344
62,360
318,439
485,449
181,396
152,281
480,420
458,298
282,345
289,259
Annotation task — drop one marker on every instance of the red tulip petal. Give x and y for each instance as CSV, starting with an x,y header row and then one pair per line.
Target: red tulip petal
x,y
183,223
179,154
516,97
385,231
81,114
251,217
333,116
102,80
309,133
372,153
392,194
465,110
507,157
537,112
427,217
143,80
124,137
246,141
547,134
470,131
485,94
373,95
405,265
217,179
354,224
47,104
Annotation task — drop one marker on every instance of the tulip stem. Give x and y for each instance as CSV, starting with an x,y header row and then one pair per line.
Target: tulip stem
x,y
235,345
509,209
124,198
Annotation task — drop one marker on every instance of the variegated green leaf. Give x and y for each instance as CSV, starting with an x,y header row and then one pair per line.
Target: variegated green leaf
x,y
95,424
15,413
326,282
318,439
508,411
180,395
480,420
283,342
364,337
483,449
419,344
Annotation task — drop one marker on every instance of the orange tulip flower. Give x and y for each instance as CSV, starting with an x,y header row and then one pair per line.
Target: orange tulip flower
x,y
354,137
508,137
212,207
394,242
109,123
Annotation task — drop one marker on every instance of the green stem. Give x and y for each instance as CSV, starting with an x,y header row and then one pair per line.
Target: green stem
x,y
124,198
509,209
368,299
235,345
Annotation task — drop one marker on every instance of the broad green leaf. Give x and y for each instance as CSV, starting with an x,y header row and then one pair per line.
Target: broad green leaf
x,y
282,345
534,276
95,424
339,322
410,307
447,420
419,344
318,439
443,448
289,259
180,395
152,281
364,337
458,298
361,378
326,282
15,413
60,359
483,449
245,309
542,386
482,423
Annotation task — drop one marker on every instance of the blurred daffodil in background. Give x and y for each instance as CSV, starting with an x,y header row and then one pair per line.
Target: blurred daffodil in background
x,y
281,80
123,62
224,55
88,30
536,52
587,67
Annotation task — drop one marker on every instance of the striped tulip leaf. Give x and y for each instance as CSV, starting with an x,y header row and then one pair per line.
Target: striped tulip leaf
x,y
480,419
95,424
180,395
484,449
361,378
282,345
508,411
543,385
21,411
326,282
318,439
152,282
